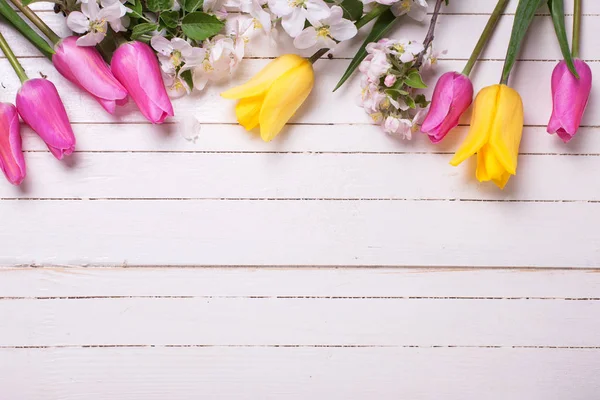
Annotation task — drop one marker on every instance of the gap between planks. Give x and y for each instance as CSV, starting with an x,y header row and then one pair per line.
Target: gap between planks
x,y
335,346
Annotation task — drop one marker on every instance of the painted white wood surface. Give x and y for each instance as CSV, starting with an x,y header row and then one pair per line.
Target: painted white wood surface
x,y
500,300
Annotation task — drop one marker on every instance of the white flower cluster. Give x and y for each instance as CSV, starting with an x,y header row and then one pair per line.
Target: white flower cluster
x,y
389,83
94,18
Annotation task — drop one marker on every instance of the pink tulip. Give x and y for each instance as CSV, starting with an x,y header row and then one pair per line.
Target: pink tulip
x,y
41,108
12,162
569,97
84,66
135,65
452,96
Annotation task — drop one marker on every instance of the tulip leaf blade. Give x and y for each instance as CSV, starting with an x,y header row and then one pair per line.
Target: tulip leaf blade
x,y
382,25
200,26
23,27
142,29
353,9
557,11
523,17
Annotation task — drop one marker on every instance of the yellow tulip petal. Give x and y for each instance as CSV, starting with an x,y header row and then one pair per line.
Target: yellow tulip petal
x,y
488,166
502,180
284,97
247,111
484,111
507,128
265,78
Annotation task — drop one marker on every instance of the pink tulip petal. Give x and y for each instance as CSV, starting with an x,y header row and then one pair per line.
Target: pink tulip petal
x,y
452,96
12,162
40,106
85,67
569,99
135,65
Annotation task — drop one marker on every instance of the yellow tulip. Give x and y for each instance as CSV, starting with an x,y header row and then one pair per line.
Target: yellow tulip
x,y
273,95
495,134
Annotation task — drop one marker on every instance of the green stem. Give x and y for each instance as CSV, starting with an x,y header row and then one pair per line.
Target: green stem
x,y
370,16
485,35
576,28
12,59
41,25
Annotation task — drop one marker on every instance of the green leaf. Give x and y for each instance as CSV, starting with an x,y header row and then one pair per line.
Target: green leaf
x,y
136,8
421,100
382,26
187,77
410,102
557,10
191,5
199,26
159,5
523,17
142,29
353,9
15,20
413,79
170,18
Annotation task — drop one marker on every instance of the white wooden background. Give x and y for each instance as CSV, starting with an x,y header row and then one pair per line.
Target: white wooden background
x,y
332,263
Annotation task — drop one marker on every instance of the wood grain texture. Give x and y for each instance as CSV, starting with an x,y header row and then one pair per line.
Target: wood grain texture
x,y
299,373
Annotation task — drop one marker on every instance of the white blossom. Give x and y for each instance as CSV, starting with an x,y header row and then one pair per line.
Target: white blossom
x,y
416,9
327,31
294,13
93,20
219,60
176,54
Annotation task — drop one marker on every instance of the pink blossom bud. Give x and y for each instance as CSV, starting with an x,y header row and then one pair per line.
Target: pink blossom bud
x,y
389,80
84,66
135,65
452,96
569,98
12,162
41,108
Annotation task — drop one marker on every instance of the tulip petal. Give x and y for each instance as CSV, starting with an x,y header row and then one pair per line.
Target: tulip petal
x,y
483,115
440,102
265,78
248,111
12,162
507,128
284,98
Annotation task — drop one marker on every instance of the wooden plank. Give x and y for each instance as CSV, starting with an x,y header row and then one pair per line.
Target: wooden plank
x,y
307,176
323,107
442,283
262,232
343,138
299,373
297,321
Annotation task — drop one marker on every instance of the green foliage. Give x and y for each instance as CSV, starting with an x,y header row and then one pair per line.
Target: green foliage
x,y
523,17
353,9
170,19
200,26
16,21
142,29
557,10
191,5
159,5
414,80
382,25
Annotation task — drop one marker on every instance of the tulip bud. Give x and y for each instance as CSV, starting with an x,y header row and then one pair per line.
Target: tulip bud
x,y
12,162
135,65
452,96
273,95
41,108
495,134
84,66
569,98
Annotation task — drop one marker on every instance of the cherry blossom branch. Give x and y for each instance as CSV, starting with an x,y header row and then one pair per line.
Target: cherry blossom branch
x,y
430,34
